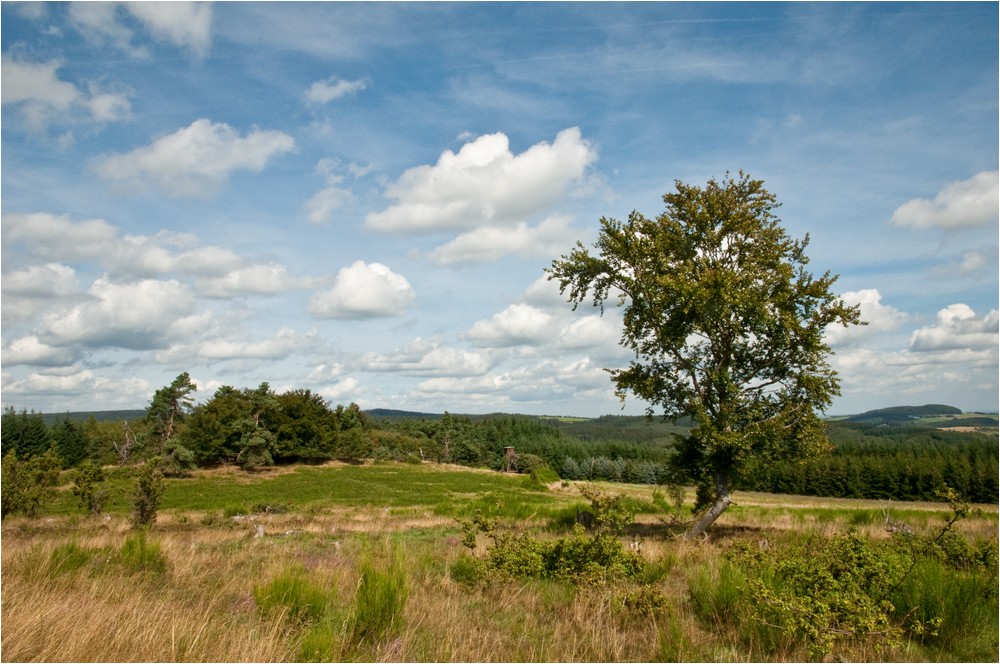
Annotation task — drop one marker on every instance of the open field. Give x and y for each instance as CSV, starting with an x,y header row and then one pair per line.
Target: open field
x,y
340,539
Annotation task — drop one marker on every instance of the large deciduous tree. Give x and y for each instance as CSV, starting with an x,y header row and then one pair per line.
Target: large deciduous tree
x,y
726,323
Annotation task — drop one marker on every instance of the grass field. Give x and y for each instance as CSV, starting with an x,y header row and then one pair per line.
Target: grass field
x,y
366,563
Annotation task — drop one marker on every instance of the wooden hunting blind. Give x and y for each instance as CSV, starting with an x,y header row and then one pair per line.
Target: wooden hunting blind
x,y
510,459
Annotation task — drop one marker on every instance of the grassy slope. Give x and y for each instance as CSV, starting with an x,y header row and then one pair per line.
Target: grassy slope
x,y
341,517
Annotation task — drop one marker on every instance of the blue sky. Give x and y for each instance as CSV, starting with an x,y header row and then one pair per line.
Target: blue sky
x,y
360,199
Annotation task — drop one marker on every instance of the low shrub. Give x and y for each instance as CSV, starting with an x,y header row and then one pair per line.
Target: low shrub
x,y
580,557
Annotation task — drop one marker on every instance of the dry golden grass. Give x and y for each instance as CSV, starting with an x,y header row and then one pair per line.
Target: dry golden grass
x,y
202,607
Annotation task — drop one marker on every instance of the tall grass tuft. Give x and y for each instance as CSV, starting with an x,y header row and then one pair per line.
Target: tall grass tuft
x,y
67,558
302,600
380,599
141,555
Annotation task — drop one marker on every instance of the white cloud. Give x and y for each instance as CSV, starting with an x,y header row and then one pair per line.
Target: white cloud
x,y
195,160
49,280
484,184
364,291
79,388
965,204
43,98
518,324
260,279
136,316
52,237
183,24
30,351
57,238
591,332
490,243
320,208
881,318
347,389
322,92
971,262
285,343
958,327
37,82
427,357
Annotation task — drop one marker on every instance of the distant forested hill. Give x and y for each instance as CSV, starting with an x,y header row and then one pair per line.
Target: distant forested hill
x,y
903,414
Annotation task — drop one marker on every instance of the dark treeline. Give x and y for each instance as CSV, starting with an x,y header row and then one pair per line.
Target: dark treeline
x,y
889,462
256,427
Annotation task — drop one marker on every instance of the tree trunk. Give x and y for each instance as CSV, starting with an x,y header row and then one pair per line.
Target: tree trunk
x,y
722,501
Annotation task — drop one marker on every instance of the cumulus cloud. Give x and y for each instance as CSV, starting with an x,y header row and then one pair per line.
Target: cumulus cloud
x,y
36,81
47,281
218,271
490,243
959,205
880,318
364,291
195,160
958,327
260,279
428,357
42,97
517,325
183,24
283,344
30,350
135,316
325,91
79,389
484,184
591,332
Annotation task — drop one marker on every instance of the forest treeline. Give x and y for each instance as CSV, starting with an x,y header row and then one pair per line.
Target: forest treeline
x,y
257,427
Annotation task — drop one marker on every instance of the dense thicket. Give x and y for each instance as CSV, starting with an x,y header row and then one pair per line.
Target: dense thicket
x,y
899,463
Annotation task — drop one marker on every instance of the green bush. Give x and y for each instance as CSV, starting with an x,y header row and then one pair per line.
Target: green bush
x,y
579,557
146,494
86,481
27,485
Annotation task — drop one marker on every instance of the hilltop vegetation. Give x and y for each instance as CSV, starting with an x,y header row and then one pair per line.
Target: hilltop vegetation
x,y
902,458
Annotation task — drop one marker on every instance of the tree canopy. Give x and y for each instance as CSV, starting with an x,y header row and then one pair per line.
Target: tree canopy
x,y
726,323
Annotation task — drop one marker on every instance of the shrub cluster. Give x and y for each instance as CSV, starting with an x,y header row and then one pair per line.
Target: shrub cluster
x,y
581,557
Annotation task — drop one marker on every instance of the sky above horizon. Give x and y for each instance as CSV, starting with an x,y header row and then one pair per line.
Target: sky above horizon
x,y
360,199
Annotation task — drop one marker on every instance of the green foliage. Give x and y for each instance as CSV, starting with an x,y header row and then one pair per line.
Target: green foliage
x,y
293,593
579,557
725,320
26,486
826,591
70,442
146,494
831,593
138,554
380,599
69,557
23,433
169,406
86,481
